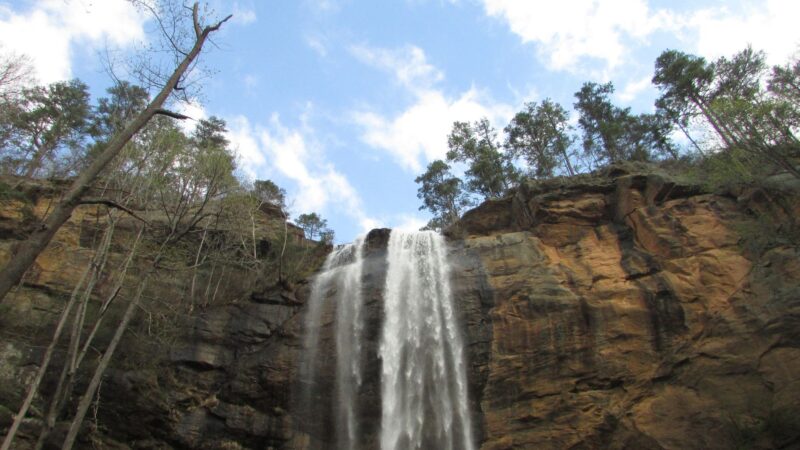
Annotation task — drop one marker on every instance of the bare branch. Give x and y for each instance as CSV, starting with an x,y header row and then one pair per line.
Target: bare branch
x,y
172,114
112,204
213,28
196,21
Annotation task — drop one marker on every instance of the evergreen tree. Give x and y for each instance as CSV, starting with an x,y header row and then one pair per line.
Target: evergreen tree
x,y
540,134
268,192
489,173
612,134
312,224
442,194
46,122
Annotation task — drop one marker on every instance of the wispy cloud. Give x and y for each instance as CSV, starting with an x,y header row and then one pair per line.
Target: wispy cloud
x,y
243,15
272,149
632,90
408,65
418,134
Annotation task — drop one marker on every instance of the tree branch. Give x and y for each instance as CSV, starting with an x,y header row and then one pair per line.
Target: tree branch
x,y
112,204
172,114
196,21
211,29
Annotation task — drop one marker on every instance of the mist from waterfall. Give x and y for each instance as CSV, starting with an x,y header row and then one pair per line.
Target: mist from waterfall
x,y
423,384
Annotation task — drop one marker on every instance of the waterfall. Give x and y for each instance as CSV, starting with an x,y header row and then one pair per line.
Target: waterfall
x,y
423,383
341,278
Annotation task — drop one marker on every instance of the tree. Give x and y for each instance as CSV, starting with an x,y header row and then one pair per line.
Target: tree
x,y
124,102
728,95
541,135
686,84
267,191
785,82
45,121
27,251
489,173
312,224
612,134
327,236
16,72
442,194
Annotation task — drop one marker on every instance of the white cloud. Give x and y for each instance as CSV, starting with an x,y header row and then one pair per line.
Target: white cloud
x,y
245,142
419,134
317,43
295,155
48,31
196,112
569,30
570,34
766,25
242,15
409,223
408,65
634,88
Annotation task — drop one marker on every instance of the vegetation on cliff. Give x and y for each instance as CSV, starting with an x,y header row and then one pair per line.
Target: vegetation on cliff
x,y
153,207
726,121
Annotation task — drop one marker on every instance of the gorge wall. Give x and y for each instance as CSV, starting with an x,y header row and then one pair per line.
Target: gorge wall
x,y
622,310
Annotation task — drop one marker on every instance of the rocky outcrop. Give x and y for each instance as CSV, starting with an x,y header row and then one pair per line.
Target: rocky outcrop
x,y
621,310
626,314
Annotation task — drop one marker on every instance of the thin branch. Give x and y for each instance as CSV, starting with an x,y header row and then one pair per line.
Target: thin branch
x,y
112,204
213,28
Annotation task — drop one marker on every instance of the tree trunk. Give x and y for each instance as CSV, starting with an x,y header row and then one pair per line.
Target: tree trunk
x,y
48,354
28,250
91,390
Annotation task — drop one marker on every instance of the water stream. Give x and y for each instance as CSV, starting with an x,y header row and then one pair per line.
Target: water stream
x,y
423,384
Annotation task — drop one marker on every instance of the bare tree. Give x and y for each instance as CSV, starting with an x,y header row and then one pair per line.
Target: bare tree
x,y
27,251
15,72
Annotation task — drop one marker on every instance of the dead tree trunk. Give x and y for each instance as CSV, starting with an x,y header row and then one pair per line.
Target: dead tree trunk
x,y
28,250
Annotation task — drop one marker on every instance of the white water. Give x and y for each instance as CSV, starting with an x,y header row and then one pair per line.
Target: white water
x,y
423,379
423,385
341,276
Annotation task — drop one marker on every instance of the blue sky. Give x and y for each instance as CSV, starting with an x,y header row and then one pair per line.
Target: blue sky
x,y
344,102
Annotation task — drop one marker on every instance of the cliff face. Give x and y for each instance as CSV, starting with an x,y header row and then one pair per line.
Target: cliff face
x,y
619,311
625,314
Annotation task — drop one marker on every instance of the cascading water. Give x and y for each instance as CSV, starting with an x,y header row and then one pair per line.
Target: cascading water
x,y
423,381
341,275
424,384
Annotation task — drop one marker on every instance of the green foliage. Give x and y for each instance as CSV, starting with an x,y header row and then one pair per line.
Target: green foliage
x,y
728,95
114,112
612,134
43,127
489,173
327,236
312,224
541,135
268,192
442,194
722,170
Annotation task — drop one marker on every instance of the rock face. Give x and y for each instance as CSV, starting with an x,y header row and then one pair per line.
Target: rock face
x,y
624,314
622,311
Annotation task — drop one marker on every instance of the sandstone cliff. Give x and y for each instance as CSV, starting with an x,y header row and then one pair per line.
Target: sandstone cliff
x,y
627,312
622,310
